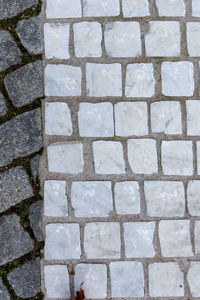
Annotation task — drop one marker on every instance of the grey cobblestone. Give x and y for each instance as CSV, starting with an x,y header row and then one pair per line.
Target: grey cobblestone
x,y
10,8
3,108
4,295
35,217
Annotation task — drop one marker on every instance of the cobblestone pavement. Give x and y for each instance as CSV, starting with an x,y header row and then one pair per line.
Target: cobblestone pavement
x,y
121,167
21,89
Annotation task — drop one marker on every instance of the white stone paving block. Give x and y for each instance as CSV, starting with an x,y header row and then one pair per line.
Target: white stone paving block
x,y
57,119
62,241
127,197
138,239
175,238
94,279
198,157
193,278
165,198
103,80
101,8
193,38
165,280
140,80
142,156
55,198
171,8
127,279
65,157
63,9
108,157
57,281
56,40
163,39
177,158
96,119
193,197
195,8
197,237
135,8
123,39
92,198
131,118
193,120
62,80
87,39
102,240
166,117
177,78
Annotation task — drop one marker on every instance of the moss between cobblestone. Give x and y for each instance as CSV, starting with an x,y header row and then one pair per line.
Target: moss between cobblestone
x,y
21,209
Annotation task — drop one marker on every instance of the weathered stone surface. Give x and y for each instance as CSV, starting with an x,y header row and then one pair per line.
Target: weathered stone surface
x,y
29,33
9,52
25,84
15,187
15,242
26,280
20,136
3,108
11,8
35,217
34,166
3,292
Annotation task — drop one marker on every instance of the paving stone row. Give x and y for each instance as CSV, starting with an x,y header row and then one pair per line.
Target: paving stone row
x,y
20,144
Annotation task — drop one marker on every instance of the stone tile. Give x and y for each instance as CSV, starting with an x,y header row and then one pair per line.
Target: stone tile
x,y
127,279
135,8
198,157
57,119
193,202
103,80
94,279
171,8
57,281
195,8
193,278
193,39
142,156
108,157
165,198
131,118
140,80
24,85
11,8
26,280
197,237
101,8
163,39
3,108
165,280
175,238
166,117
4,295
127,197
96,119
62,80
62,241
15,242
20,136
9,52
15,187
29,32
63,9
92,198
102,240
55,198
193,122
177,78
34,164
123,39
56,40
177,157
138,238
35,217
87,39
65,157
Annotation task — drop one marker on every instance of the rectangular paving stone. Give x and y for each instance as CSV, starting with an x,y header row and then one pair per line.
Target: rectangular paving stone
x,y
63,9
195,8
135,8
193,189
193,278
171,8
101,8
193,123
